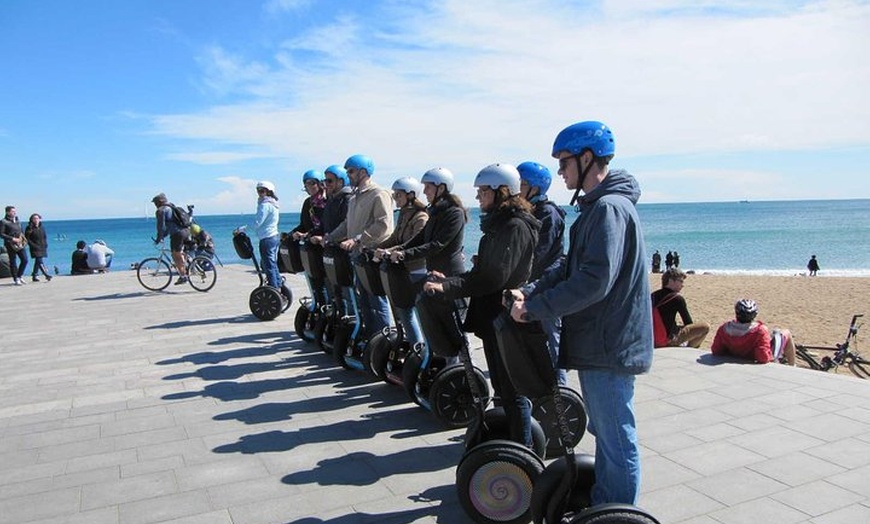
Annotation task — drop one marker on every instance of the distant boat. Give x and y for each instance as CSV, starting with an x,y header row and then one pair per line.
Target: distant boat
x,y
744,201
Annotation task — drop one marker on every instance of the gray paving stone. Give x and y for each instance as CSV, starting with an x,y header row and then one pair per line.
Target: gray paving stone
x,y
161,509
195,415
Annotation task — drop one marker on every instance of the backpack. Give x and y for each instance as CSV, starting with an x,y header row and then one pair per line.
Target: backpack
x,y
660,332
180,216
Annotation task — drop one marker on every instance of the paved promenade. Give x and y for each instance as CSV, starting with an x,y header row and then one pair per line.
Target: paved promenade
x,y
119,405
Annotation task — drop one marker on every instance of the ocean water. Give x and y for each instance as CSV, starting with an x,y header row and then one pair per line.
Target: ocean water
x,y
774,238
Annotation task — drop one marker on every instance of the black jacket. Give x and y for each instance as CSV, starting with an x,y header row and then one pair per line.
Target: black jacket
x,y
36,240
440,242
335,210
504,261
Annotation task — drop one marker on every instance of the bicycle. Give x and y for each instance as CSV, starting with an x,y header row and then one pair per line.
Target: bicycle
x,y
843,354
155,273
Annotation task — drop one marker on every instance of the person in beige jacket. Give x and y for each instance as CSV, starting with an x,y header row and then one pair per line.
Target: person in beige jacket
x,y
369,222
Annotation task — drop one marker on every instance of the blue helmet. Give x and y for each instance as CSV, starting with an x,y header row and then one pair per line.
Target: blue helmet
x,y
360,162
313,174
536,175
581,136
339,173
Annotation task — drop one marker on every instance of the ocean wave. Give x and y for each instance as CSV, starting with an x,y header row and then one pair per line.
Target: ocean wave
x,y
782,272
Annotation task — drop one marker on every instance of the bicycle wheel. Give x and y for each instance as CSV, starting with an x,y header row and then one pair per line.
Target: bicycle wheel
x,y
201,274
154,274
860,367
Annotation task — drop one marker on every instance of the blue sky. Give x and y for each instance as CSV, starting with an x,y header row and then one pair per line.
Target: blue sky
x,y
106,103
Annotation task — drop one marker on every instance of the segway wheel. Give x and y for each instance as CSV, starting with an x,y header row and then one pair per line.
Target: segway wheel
x,y
451,399
613,514
544,411
378,351
411,375
494,481
266,303
287,296
495,427
550,491
324,333
303,324
340,343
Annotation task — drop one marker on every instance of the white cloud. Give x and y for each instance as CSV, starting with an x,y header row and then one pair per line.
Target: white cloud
x,y
464,84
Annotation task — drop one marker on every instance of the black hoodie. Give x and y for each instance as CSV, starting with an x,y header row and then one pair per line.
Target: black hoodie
x,y
504,261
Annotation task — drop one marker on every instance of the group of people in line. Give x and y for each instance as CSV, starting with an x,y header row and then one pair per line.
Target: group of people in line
x,y
672,259
596,297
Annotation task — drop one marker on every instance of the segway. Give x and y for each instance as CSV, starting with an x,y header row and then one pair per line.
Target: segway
x,y
301,257
562,491
266,302
388,349
348,343
367,274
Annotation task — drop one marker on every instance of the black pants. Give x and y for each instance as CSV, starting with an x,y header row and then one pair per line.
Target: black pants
x,y
517,408
438,321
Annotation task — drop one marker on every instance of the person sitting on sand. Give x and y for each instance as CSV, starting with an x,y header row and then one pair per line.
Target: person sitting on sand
x,y
750,339
79,263
669,302
99,256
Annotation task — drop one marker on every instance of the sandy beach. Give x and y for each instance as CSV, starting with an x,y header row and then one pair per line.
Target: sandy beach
x,y
816,309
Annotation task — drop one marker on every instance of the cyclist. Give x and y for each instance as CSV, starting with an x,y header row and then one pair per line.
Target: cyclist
x,y
504,260
201,242
747,338
178,234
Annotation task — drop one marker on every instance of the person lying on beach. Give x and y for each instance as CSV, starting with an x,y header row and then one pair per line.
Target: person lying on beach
x,y
669,302
750,339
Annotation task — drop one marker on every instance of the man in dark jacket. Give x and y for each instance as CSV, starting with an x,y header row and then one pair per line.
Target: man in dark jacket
x,y
602,294
504,261
14,241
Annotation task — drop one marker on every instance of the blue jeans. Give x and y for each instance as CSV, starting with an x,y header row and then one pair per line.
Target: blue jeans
x,y
269,260
553,327
410,325
375,310
609,405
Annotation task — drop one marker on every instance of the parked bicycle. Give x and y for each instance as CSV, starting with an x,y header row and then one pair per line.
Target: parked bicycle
x,y
843,354
156,273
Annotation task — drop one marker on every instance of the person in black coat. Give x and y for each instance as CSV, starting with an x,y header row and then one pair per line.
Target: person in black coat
x,y
504,261
440,244
38,241
15,242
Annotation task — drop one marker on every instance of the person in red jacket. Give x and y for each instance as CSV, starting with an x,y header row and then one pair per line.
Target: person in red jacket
x,y
751,339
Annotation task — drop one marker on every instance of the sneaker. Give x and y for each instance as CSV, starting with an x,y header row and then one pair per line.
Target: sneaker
x,y
48,278
36,279
21,281
181,280
17,282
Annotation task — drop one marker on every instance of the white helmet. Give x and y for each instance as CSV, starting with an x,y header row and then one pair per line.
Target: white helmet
x,y
265,184
408,184
437,176
496,175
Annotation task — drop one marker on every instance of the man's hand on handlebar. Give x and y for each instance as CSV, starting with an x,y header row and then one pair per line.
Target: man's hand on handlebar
x,y
348,244
316,240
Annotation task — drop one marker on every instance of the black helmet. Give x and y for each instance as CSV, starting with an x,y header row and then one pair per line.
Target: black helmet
x,y
745,310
